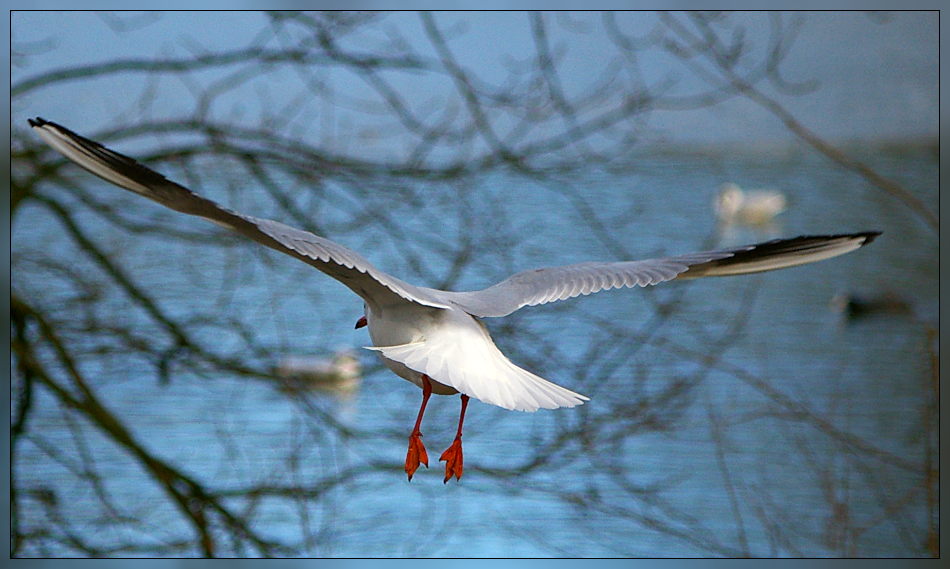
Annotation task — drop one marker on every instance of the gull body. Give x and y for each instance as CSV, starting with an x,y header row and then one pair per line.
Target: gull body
x,y
401,324
434,338
456,352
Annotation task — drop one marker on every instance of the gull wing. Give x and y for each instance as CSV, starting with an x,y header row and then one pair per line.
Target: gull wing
x,y
334,259
540,286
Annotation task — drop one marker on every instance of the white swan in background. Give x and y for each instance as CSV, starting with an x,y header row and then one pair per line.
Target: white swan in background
x,y
733,205
340,373
435,338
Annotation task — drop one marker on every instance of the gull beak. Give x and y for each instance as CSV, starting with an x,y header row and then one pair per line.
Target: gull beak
x,y
360,323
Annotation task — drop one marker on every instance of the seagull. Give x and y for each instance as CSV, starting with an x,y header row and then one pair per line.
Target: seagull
x,y
435,338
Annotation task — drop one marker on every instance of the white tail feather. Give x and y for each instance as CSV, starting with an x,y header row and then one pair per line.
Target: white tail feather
x,y
480,370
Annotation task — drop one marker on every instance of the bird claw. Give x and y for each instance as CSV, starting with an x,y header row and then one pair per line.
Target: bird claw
x,y
416,454
453,460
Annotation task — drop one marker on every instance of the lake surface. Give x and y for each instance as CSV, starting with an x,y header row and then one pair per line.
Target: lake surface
x,y
728,417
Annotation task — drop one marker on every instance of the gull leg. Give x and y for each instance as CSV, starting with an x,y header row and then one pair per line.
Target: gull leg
x,y
417,451
453,455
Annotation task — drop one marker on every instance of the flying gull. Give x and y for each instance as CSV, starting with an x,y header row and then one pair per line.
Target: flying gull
x,y
435,338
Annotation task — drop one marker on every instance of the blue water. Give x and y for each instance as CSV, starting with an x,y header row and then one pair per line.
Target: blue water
x,y
730,417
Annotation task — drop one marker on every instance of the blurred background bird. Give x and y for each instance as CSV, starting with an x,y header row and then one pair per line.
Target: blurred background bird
x,y
756,208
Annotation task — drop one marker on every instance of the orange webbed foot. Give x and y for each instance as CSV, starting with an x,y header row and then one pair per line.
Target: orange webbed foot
x,y
416,454
453,460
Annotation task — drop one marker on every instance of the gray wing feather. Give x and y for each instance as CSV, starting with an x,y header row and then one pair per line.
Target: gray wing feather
x,y
527,288
540,286
332,258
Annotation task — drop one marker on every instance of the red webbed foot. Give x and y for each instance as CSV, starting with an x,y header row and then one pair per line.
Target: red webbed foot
x,y
453,460
416,454
417,451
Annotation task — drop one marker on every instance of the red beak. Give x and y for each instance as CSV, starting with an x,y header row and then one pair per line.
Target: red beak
x,y
360,323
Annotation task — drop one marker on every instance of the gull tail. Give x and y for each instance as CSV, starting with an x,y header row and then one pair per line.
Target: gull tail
x,y
480,370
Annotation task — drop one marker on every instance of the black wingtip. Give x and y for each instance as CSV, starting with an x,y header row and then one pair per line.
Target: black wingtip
x,y
38,121
869,236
